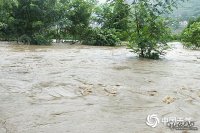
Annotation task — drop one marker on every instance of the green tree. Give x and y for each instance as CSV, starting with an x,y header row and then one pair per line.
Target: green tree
x,y
191,35
58,32
192,21
6,19
151,34
33,18
101,37
115,15
77,17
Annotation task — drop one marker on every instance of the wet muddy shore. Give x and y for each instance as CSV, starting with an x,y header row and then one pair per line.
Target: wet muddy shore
x,y
86,89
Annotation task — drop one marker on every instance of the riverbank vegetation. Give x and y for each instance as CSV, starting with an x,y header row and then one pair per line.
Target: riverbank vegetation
x,y
191,34
142,23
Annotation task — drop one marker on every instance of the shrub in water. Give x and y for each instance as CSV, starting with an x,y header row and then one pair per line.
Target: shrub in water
x,y
101,37
36,39
25,39
39,39
191,35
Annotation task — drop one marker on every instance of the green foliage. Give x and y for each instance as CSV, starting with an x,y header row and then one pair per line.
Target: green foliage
x,y
191,35
36,39
38,21
6,19
151,34
101,37
176,37
114,15
56,19
33,17
39,39
23,19
123,35
192,21
78,15
25,39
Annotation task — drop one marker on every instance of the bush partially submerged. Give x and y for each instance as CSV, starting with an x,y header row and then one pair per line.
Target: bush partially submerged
x,y
101,37
191,36
36,39
150,38
39,39
25,39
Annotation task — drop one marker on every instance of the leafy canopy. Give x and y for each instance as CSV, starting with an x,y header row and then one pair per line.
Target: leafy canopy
x,y
191,35
151,33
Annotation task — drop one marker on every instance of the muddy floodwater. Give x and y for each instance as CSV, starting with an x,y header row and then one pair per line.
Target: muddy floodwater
x,y
86,89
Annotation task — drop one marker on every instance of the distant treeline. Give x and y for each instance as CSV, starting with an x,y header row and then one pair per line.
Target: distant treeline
x,y
40,21
141,22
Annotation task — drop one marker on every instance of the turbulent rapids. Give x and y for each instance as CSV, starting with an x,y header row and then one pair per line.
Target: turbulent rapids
x,y
84,89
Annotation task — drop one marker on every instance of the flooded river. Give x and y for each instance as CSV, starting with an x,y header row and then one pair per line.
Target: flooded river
x,y
85,89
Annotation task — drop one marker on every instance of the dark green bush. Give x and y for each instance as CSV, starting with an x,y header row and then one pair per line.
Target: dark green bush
x,y
191,36
39,39
25,39
123,35
36,39
101,37
175,37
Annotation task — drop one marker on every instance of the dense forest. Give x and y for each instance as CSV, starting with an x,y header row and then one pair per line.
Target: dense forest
x,y
144,24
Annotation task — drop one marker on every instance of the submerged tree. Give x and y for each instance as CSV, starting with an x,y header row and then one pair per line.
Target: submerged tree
x,y
151,34
191,34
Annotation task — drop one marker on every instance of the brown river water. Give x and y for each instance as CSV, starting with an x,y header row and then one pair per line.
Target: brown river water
x,y
86,89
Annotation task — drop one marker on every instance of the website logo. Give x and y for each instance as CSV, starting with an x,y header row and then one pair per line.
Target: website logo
x,y
152,120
